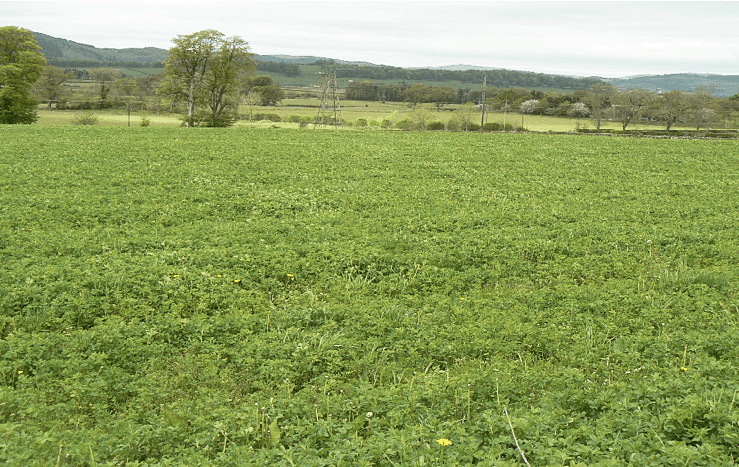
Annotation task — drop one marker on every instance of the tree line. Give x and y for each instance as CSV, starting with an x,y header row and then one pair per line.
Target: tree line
x,y
600,102
288,69
699,109
499,78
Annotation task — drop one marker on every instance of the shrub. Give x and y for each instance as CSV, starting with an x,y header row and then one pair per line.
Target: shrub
x,y
496,126
453,125
385,123
435,126
305,120
360,123
405,124
145,121
473,127
270,117
206,119
87,118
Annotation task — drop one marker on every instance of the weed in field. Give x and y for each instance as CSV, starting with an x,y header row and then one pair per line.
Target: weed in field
x,y
85,119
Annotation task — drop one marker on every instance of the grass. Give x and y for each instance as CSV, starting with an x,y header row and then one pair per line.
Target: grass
x,y
107,117
247,296
350,111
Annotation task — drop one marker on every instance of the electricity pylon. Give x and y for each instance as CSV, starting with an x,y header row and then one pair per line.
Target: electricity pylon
x,y
328,112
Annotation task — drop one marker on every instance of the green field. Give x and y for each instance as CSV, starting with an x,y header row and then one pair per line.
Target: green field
x,y
253,297
350,111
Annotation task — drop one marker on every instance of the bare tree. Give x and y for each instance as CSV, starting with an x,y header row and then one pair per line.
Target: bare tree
x,y
50,86
628,105
251,99
126,90
701,110
105,78
672,106
422,116
465,113
598,98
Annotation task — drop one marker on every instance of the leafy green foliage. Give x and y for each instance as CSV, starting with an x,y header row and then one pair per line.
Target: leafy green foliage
x,y
278,297
21,64
204,70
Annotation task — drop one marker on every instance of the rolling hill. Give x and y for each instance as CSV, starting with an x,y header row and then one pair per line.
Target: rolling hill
x,y
66,53
724,85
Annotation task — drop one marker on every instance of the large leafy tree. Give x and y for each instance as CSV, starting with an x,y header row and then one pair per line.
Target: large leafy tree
x,y
21,64
203,70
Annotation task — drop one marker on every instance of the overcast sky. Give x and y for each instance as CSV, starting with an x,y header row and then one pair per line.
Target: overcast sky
x,y
606,39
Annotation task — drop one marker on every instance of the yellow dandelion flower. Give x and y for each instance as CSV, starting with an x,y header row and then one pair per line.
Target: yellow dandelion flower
x,y
237,280
20,372
444,442
683,368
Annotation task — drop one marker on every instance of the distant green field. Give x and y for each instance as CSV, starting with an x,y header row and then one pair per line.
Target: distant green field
x,y
350,111
252,297
138,72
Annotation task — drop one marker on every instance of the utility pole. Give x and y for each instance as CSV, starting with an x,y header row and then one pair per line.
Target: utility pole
x,y
505,110
484,85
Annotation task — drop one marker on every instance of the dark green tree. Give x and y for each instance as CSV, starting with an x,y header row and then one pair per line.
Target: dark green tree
x,y
21,64
265,86
416,93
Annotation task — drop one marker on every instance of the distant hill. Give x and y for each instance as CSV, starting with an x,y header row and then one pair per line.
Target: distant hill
x,y
56,49
725,85
66,53
305,60
456,68
62,50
